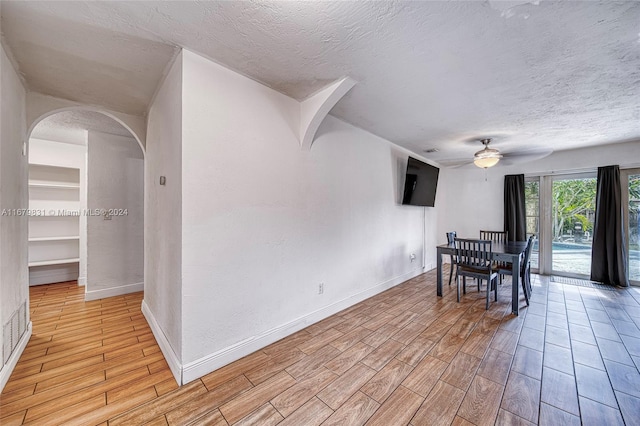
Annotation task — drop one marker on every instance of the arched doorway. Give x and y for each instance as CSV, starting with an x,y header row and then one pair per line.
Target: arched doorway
x,y
86,188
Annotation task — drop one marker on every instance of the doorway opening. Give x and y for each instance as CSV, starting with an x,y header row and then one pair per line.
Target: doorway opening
x,y
86,192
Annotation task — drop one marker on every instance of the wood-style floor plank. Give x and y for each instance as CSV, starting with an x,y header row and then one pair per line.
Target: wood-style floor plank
x,y
252,399
440,407
559,390
398,409
380,386
207,402
401,357
480,404
522,396
461,370
495,366
266,415
355,411
340,390
425,376
291,399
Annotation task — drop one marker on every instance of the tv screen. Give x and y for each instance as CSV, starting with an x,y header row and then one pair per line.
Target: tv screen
x,y
420,183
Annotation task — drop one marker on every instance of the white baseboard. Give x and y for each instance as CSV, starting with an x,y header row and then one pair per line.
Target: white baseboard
x,y
168,352
7,369
82,281
113,291
48,277
198,368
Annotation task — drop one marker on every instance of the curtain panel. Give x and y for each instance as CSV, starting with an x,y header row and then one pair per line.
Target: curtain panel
x,y
514,208
609,249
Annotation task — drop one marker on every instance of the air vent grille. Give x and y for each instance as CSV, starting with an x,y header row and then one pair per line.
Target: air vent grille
x,y
12,331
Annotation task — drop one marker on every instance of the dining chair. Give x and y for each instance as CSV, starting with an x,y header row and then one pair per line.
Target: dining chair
x,y
499,237
451,237
525,269
473,259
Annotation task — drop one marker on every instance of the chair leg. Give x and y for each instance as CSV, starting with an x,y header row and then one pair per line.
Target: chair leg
x,y
451,272
458,288
496,290
524,288
464,285
488,294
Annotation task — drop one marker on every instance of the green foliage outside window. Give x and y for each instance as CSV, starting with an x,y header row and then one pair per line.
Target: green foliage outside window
x,y
573,202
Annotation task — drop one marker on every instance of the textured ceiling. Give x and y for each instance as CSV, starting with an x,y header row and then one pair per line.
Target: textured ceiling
x,y
544,75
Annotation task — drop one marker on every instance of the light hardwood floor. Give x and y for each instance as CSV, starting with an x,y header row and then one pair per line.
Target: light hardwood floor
x,y
401,357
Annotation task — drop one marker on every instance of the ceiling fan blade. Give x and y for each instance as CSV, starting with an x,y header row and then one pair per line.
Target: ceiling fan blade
x,y
525,156
508,158
455,164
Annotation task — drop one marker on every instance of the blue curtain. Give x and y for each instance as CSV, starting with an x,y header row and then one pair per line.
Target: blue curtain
x,y
609,250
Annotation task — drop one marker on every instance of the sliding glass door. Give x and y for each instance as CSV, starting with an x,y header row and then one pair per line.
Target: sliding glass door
x,y
561,212
573,200
630,180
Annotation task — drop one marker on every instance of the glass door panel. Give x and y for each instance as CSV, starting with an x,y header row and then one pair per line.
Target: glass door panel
x,y
633,227
532,206
572,211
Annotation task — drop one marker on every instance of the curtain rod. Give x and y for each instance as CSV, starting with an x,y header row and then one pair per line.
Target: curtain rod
x,y
575,171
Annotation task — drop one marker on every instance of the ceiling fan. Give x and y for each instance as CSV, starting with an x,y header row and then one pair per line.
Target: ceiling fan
x,y
489,157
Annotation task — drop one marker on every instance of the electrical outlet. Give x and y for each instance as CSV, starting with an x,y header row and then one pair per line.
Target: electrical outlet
x,y
320,288
412,257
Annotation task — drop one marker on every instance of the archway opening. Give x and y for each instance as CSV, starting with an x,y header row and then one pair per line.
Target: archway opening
x,y
86,208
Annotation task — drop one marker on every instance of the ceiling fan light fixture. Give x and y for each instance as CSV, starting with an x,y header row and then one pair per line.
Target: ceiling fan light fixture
x,y
487,157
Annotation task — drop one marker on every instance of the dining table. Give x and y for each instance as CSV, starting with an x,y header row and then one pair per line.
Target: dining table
x,y
511,252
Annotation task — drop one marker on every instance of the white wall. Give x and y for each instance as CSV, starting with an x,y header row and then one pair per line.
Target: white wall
x,y
163,221
13,229
473,203
264,222
115,180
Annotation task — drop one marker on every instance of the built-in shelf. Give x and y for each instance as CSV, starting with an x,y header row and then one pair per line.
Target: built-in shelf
x,y
51,185
54,192
54,262
36,239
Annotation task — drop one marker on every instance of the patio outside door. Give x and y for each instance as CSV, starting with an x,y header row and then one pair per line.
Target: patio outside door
x,y
572,216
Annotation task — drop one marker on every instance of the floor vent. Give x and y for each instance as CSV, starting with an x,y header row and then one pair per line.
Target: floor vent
x,y
12,331
582,283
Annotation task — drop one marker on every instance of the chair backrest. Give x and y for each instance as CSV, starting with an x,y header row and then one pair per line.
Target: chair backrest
x,y
451,237
527,253
497,236
474,253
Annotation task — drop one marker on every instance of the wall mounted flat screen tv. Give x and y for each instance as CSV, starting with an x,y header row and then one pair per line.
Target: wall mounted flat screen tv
x,y
420,184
